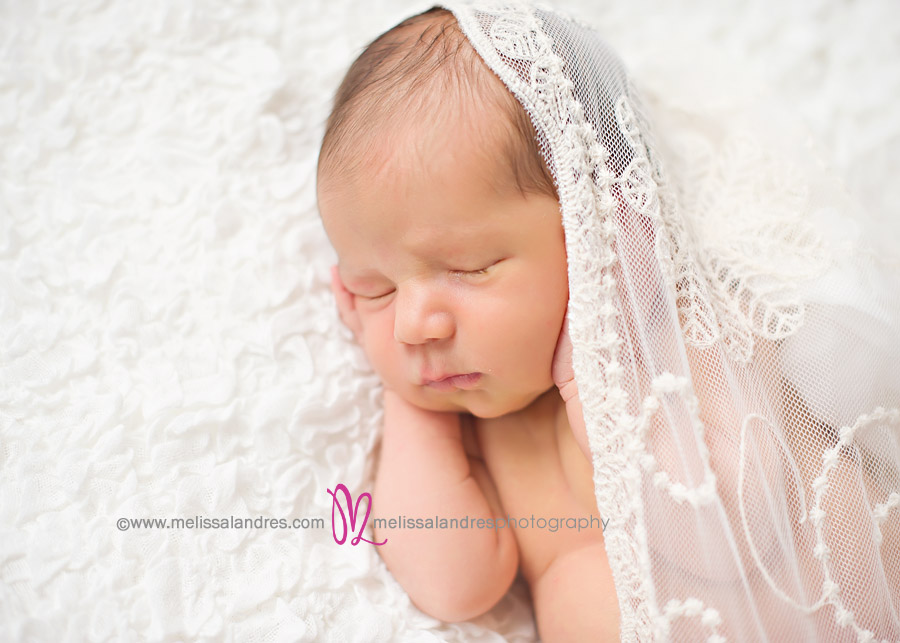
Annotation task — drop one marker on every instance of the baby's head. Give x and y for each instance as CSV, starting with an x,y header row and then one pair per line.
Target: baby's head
x,y
446,223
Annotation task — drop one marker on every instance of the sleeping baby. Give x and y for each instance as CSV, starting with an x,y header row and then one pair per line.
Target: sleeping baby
x,y
452,275
749,472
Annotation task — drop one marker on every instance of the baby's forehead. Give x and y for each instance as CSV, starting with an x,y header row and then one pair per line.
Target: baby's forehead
x,y
425,152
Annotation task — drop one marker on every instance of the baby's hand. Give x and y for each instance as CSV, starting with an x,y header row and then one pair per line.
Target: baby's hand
x,y
564,378
346,307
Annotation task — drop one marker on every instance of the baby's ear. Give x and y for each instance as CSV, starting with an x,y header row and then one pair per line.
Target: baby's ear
x,y
346,306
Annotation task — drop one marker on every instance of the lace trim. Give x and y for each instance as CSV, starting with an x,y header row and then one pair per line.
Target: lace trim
x,y
705,492
693,607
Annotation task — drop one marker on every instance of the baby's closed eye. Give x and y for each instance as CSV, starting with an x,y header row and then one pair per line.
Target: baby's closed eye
x,y
456,273
477,271
372,297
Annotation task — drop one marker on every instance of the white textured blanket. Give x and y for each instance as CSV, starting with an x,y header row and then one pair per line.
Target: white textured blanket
x,y
168,343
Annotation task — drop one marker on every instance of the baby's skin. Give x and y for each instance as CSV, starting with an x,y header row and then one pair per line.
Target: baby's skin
x,y
446,271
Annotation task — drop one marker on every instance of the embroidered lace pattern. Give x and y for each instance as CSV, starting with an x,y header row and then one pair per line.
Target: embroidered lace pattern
x,y
739,401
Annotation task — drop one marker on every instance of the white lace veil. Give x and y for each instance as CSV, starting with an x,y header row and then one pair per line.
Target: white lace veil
x,y
735,326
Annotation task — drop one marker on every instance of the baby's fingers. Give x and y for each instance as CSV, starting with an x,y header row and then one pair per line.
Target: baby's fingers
x,y
345,305
341,296
564,378
561,369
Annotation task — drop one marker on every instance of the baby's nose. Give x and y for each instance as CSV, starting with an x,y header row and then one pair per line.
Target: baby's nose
x,y
420,316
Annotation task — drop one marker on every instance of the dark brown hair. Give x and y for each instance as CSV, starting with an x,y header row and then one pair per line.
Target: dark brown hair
x,y
389,83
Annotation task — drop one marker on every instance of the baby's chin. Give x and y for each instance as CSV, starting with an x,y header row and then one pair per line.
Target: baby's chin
x,y
479,403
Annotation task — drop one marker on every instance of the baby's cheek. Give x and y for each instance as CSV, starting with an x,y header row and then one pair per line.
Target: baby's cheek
x,y
378,331
378,343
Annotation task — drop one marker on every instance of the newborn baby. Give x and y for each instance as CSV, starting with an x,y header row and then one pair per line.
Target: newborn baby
x,y
452,276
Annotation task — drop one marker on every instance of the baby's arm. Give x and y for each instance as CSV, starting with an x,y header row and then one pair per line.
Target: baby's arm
x,y
425,472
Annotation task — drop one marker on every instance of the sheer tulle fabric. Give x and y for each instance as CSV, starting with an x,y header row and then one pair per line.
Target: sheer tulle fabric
x,y
735,325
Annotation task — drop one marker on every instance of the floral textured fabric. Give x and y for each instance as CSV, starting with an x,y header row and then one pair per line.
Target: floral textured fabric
x,y
736,329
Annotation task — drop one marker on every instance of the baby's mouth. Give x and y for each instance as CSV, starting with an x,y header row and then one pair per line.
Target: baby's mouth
x,y
463,382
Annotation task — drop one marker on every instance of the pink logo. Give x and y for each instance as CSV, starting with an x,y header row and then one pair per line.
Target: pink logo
x,y
353,510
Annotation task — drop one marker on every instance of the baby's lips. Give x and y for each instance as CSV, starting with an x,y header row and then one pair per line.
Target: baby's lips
x,y
464,381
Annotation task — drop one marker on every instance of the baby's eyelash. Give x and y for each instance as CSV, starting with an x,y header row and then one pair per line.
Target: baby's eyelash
x,y
480,271
375,297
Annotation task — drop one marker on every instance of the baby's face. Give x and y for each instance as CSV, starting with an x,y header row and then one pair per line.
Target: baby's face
x,y
448,275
